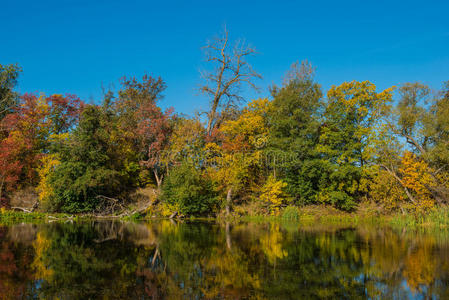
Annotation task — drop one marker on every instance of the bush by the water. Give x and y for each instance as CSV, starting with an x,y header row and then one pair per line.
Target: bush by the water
x,y
290,213
189,192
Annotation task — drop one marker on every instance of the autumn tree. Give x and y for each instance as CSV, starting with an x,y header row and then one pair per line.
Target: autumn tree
x,y
186,143
10,167
235,160
422,122
229,72
417,179
273,195
404,186
145,126
27,128
156,131
64,112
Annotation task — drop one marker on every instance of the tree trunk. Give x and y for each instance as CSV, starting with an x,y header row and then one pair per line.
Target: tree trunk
x,y
158,179
156,254
407,192
228,236
209,126
228,202
1,187
35,205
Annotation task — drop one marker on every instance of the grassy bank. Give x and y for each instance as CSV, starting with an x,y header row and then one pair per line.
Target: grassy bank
x,y
314,215
307,216
437,218
8,217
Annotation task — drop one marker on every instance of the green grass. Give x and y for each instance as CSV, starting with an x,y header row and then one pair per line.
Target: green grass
x,y
323,215
9,217
12,217
307,216
436,218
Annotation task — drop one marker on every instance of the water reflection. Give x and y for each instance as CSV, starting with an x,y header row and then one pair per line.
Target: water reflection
x,y
168,260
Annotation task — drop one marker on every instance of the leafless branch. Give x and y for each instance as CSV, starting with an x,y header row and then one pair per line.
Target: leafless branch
x,y
230,73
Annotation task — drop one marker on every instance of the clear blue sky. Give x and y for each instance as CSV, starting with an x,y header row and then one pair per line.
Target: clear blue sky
x,y
69,46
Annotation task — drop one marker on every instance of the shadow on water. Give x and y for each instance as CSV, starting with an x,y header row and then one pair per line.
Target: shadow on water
x,y
169,260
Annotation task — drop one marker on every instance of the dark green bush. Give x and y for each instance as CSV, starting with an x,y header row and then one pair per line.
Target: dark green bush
x,y
187,189
76,187
90,166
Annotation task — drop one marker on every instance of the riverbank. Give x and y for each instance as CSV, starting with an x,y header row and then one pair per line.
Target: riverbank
x,y
8,217
319,214
307,216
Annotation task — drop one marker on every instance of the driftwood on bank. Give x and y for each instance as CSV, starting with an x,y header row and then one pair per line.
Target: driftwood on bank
x,y
27,209
124,212
108,208
108,205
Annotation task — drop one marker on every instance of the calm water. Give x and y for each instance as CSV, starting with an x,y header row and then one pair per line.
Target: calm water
x,y
168,260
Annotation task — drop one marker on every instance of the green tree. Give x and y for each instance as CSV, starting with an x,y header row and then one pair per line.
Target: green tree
x,y
294,123
189,192
353,117
8,81
437,128
90,167
411,114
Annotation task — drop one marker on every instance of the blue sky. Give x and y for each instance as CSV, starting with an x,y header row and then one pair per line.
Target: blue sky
x,y
76,47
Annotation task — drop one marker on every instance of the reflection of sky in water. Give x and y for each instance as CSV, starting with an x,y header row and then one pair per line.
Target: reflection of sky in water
x,y
403,291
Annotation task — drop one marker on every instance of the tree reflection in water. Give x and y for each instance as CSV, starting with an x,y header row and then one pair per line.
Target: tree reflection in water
x,y
169,260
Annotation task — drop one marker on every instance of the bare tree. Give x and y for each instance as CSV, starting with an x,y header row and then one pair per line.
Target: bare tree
x,y
230,72
299,71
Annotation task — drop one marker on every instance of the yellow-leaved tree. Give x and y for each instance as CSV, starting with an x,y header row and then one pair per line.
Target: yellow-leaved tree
x,y
44,189
48,163
417,179
235,160
407,186
273,195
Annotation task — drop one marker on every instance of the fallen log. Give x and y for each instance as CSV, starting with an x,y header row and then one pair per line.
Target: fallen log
x,y
22,209
173,215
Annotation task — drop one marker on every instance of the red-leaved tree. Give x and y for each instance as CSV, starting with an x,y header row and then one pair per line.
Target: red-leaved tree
x,y
137,104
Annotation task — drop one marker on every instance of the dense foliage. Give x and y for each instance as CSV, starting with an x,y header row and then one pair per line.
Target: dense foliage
x,y
296,148
189,192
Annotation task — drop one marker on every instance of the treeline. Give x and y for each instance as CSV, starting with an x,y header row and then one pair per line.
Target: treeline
x,y
295,148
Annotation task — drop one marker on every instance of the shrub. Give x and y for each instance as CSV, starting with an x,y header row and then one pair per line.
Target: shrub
x,y
290,213
273,194
90,167
76,187
187,190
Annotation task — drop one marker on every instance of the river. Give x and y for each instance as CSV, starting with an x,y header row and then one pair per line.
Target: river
x,y
206,260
